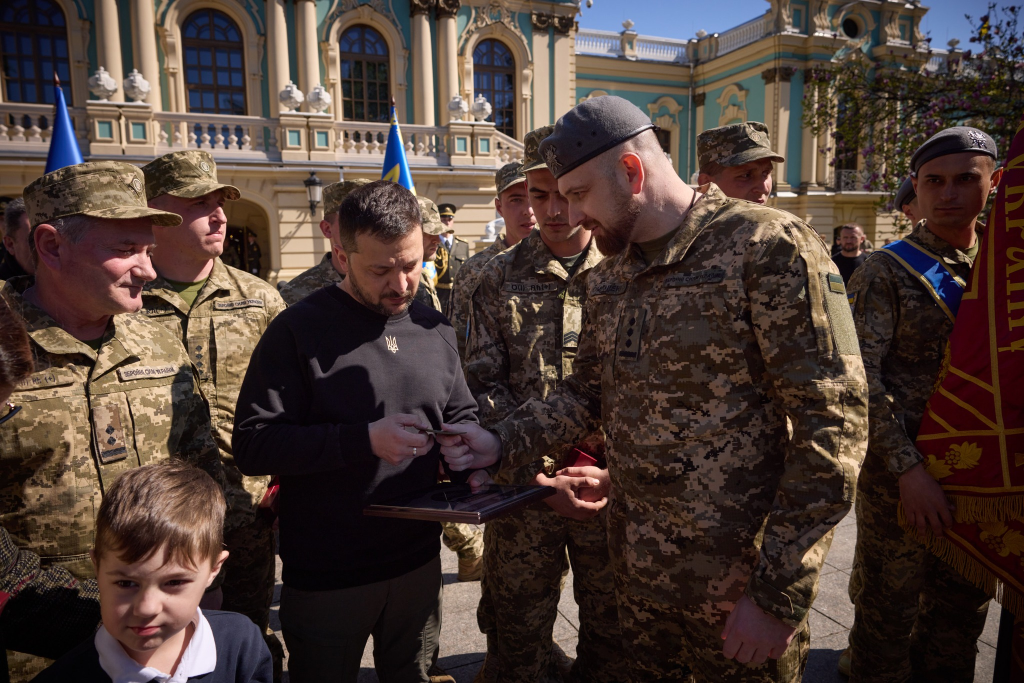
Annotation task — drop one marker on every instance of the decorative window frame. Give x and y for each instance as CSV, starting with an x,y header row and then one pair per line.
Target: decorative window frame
x,y
858,13
669,122
523,69
398,54
602,93
732,111
253,38
79,33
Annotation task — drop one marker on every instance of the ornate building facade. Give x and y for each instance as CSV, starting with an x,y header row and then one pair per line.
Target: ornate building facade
x,y
277,89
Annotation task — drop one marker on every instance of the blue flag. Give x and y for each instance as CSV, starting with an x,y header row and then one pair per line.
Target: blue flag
x,y
64,149
396,166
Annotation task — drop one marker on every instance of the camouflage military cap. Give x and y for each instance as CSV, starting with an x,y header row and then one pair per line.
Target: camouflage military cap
x,y
509,175
905,194
532,159
101,189
590,129
953,141
189,173
432,224
335,193
735,145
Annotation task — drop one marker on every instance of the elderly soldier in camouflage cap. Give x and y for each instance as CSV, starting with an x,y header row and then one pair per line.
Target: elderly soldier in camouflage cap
x,y
715,321
513,205
526,318
738,159
219,313
433,228
916,618
328,271
92,234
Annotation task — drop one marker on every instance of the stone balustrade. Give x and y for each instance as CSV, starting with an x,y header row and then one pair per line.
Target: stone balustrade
x,y
25,128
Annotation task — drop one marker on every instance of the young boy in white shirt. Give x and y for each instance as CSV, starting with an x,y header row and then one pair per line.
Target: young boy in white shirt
x,y
159,546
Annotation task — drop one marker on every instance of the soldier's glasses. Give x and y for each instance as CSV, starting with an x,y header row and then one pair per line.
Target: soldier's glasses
x,y
12,410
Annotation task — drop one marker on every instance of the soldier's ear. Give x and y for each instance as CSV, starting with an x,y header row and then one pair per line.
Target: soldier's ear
x,y
342,256
47,241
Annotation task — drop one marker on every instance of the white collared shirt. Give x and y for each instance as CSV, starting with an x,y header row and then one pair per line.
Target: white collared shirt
x,y
200,657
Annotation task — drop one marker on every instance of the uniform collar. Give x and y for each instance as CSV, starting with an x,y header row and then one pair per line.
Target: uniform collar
x,y
217,281
534,251
199,658
52,338
938,246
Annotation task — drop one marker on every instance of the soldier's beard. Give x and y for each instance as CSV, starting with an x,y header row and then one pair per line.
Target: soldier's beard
x,y
613,236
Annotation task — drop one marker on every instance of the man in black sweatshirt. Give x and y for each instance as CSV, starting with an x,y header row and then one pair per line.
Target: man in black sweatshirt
x,y
335,393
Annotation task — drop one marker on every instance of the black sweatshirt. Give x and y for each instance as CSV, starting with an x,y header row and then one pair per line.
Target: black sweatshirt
x,y
324,370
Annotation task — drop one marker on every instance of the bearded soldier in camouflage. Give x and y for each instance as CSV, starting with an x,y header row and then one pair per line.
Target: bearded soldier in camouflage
x,y
219,313
526,318
513,205
111,390
328,271
715,321
916,618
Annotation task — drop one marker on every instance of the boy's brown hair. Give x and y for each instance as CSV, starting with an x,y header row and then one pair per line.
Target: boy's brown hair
x,y
170,503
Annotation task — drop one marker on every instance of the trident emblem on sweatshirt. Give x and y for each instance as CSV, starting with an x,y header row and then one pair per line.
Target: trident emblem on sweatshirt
x,y
392,344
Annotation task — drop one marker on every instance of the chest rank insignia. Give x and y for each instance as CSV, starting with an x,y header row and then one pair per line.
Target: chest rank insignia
x,y
392,344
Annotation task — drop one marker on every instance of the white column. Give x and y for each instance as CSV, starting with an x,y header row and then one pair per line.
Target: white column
x,y
309,47
447,55
146,59
782,134
541,77
565,97
277,57
108,44
422,67
809,149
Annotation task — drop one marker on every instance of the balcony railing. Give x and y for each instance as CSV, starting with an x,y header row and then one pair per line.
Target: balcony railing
x,y
742,35
661,49
26,128
850,180
238,137
598,43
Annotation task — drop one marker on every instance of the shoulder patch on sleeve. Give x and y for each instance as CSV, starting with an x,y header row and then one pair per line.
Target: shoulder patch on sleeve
x,y
840,317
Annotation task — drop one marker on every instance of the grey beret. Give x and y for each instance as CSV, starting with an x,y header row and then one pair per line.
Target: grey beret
x,y
591,128
904,195
953,141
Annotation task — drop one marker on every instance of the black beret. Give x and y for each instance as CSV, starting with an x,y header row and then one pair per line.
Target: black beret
x,y
905,194
591,128
953,141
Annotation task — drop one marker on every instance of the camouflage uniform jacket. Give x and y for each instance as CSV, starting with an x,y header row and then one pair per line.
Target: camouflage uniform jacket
x,y
903,336
526,315
460,303
427,295
692,365
309,281
85,419
220,332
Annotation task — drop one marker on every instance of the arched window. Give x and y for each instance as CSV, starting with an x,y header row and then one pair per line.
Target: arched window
x,y
494,77
33,45
214,66
365,80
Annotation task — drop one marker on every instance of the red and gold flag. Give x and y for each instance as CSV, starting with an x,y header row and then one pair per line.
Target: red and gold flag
x,y
972,434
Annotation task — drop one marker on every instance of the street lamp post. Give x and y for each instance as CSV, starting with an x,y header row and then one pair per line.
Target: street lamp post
x,y
314,191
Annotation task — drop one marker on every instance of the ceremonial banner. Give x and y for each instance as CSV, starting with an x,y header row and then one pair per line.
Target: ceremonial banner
x,y
972,434
64,149
396,165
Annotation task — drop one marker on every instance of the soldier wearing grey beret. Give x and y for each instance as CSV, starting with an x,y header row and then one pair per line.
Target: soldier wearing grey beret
x,y
953,141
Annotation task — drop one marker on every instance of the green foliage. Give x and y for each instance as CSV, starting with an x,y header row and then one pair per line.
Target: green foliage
x,y
882,108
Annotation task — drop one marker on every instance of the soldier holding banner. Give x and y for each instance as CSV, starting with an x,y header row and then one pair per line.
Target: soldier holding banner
x,y
915,616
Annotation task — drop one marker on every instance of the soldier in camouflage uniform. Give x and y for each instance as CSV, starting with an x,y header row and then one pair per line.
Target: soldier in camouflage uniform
x,y
464,540
739,160
715,321
513,204
111,390
219,313
916,618
526,317
328,271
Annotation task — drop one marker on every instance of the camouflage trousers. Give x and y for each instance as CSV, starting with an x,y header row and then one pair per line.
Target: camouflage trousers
x,y
674,597
915,617
465,540
524,558
249,577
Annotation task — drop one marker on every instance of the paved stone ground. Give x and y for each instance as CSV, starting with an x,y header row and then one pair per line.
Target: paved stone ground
x,y
462,644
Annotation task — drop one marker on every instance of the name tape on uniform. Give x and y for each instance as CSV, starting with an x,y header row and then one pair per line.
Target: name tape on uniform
x,y
241,303
128,374
41,380
531,288
609,288
699,277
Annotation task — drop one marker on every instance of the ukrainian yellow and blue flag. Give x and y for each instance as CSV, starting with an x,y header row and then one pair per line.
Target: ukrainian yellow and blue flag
x,y
64,149
396,165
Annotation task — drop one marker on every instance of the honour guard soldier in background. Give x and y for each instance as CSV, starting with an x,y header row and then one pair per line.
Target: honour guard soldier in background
x,y
714,325
906,201
219,313
328,271
453,253
111,390
464,540
513,205
916,618
527,311
738,159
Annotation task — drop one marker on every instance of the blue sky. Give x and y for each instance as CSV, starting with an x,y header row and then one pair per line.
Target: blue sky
x,y
683,18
